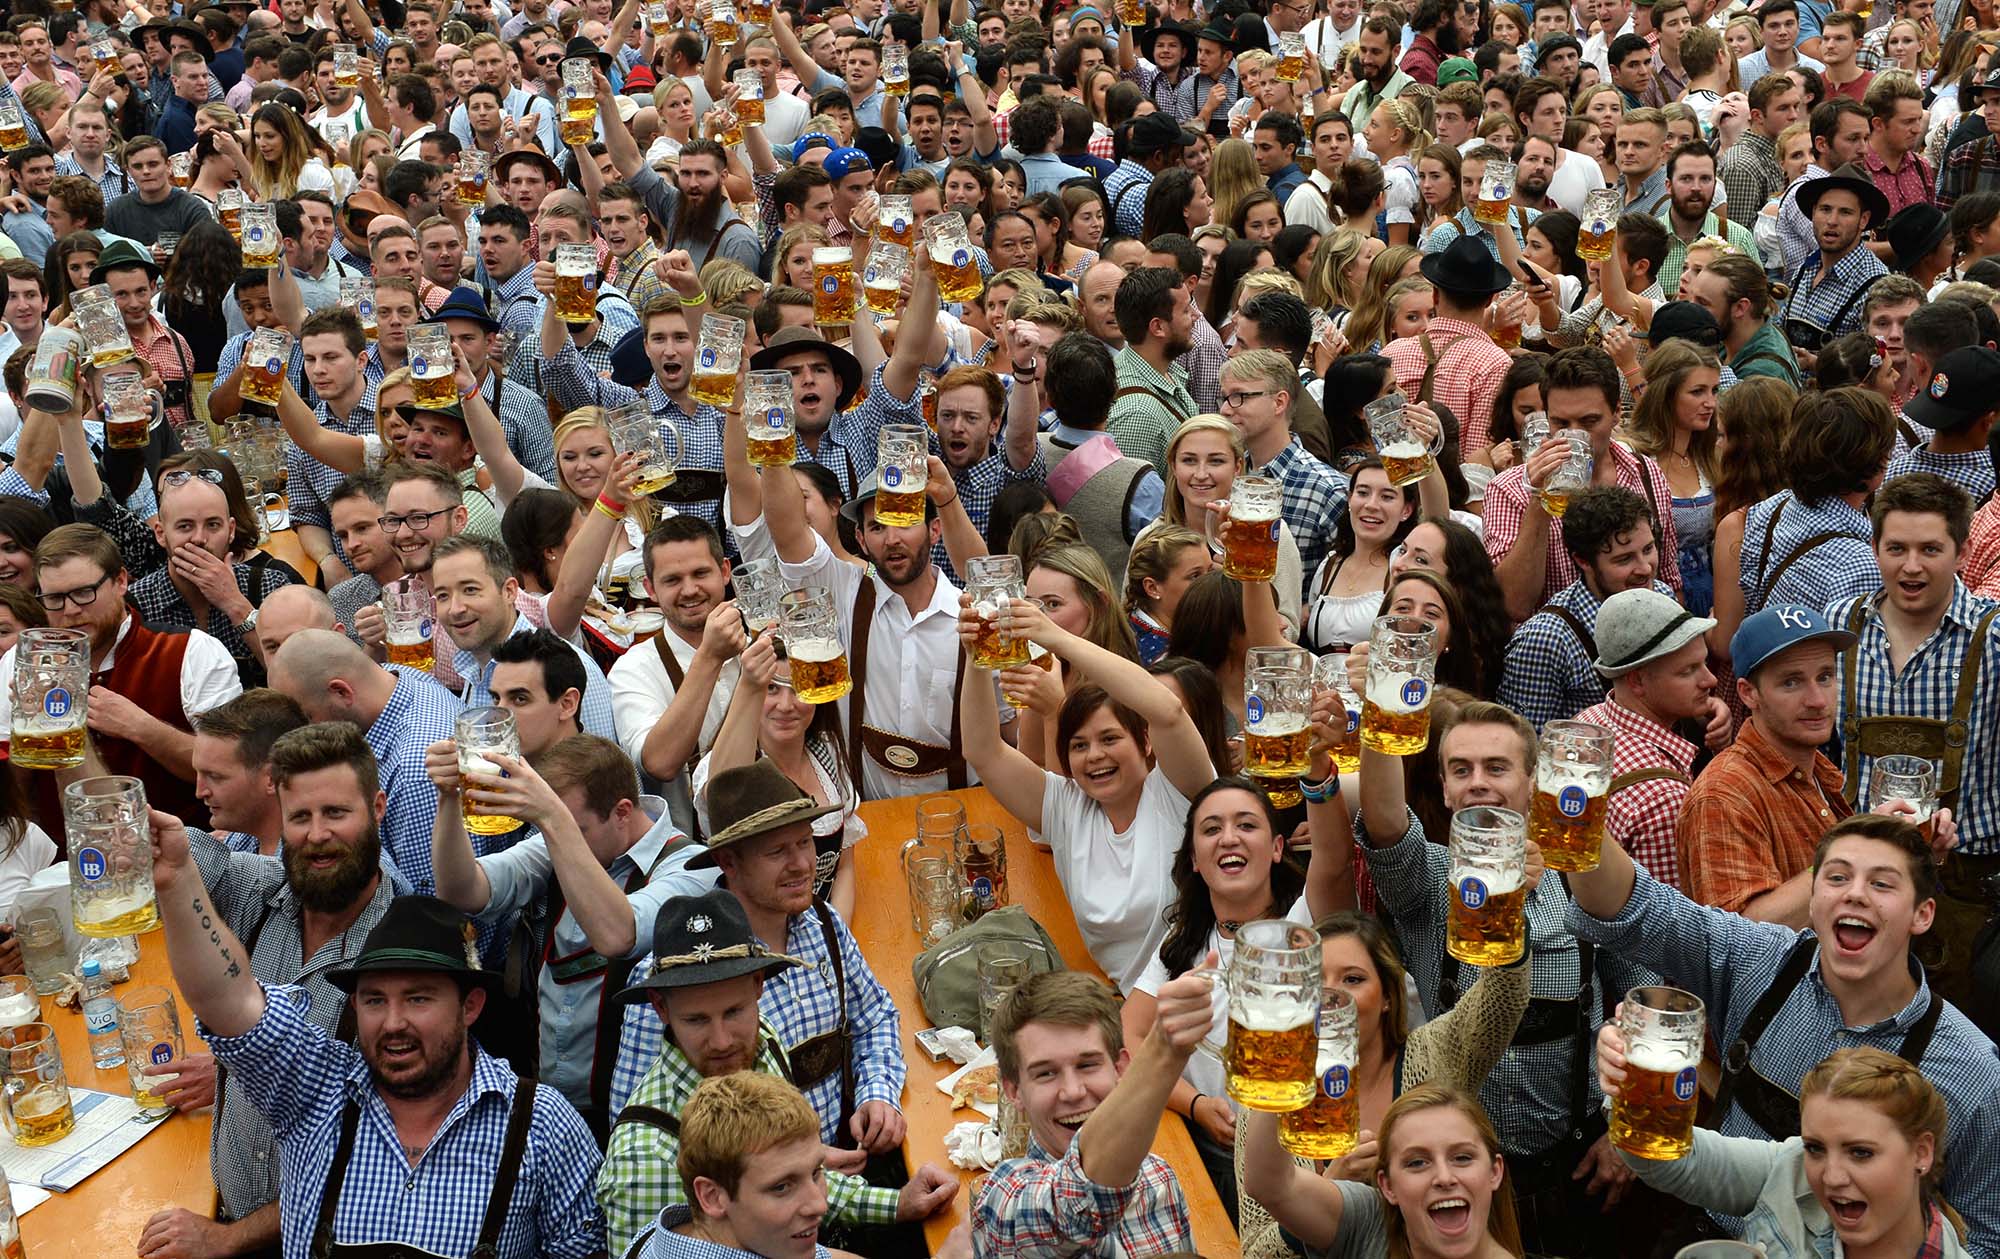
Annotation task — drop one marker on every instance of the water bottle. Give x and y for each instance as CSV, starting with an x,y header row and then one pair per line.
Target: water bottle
x,y
100,1018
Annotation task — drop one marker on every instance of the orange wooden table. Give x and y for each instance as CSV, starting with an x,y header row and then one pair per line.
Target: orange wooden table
x,y
284,545
881,925
103,1216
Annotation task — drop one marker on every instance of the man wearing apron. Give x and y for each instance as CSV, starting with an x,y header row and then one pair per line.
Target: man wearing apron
x,y
1780,1000
1924,680
411,1142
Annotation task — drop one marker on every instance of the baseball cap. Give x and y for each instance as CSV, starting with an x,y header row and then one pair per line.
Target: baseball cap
x,y
1684,320
808,142
1965,386
1777,628
843,162
1457,70
1151,133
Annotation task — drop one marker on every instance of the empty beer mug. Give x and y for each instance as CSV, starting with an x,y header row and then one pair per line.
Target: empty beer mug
x,y
811,634
717,358
903,475
149,1026
896,220
103,329
1487,924
1274,986
1405,459
110,857
950,248
635,429
833,284
259,221
1570,479
1002,967
46,958
34,1101
1910,778
995,581
1277,706
882,279
916,857
1597,228
576,284
979,855
1329,1126
480,732
1653,1114
768,419
1572,792
939,818
265,361
1396,698
51,687
1250,536
408,612
1496,189
759,585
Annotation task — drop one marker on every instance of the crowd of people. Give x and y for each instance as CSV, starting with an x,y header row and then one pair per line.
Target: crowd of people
x,y
1644,355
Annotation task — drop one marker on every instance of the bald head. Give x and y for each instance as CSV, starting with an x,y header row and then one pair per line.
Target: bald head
x,y
289,610
331,677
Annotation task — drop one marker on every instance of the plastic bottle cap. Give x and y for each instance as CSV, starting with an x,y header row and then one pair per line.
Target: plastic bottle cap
x,y
91,968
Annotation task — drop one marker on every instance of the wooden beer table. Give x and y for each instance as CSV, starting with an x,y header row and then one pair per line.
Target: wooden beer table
x,y
284,545
881,926
104,1215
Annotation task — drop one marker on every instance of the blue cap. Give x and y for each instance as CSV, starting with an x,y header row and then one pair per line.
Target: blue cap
x,y
843,162
465,303
808,142
1776,628
629,365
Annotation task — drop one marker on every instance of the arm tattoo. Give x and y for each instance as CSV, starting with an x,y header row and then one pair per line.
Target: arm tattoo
x,y
230,966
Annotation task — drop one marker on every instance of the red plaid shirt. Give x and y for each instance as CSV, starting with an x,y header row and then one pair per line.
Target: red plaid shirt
x,y
1047,1206
1643,817
1905,187
1979,562
167,351
1469,372
1507,502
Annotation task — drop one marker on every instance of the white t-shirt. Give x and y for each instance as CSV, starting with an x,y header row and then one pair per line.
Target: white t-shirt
x,y
1400,176
1204,1069
1119,885
1576,177
36,851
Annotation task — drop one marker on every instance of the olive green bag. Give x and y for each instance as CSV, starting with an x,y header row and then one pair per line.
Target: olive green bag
x,y
947,973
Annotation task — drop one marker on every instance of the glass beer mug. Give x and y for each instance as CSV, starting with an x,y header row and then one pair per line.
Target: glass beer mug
x,y
259,222
52,375
1496,189
768,419
724,27
357,293
1396,698
979,857
579,90
1598,227
950,248
1329,1126
1572,794
1277,706
903,476
1653,1114
994,581
34,1100
407,610
657,442
882,278
473,167
13,127
1488,924
51,687
102,326
1570,479
1405,459
149,1027
481,731
896,220
759,586
833,284
811,633
1910,778
431,365
1330,674
1274,983
130,411
749,96
346,65
718,358
1291,56
576,284
229,209
110,857
1250,536
265,360
895,68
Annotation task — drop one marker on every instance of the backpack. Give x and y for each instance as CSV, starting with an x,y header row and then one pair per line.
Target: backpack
x,y
947,973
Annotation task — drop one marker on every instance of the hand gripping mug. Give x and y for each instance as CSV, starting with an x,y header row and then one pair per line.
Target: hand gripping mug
x,y
634,428
1250,536
576,285
1330,674
749,96
811,634
994,581
1487,923
759,586
1496,189
1396,699
1572,478
717,358
882,278
264,363
1274,984
1277,706
130,411
903,475
481,731
768,419
1405,459
1653,1115
407,611
51,685
1910,778
1329,1126
149,1025
1572,794
110,857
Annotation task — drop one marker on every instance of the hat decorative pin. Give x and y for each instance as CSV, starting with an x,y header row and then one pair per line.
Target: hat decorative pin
x,y
699,924
471,934
1940,385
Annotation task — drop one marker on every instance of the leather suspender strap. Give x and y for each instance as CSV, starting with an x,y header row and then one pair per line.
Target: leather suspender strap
x,y
1165,400
678,677
1764,551
509,1171
860,735
1655,773
1736,1058
857,670
336,1174
1652,500
832,939
1957,732
1576,626
1432,356
651,1116
1799,552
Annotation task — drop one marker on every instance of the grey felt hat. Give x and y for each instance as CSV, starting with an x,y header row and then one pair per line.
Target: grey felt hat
x,y
1637,627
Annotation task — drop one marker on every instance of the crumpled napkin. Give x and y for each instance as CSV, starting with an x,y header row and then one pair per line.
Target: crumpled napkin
x,y
959,1044
975,1146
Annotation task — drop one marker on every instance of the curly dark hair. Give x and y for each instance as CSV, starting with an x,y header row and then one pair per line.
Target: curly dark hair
x,y
1191,917
202,271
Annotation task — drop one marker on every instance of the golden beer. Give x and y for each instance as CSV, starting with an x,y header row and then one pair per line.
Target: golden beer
x,y
110,356
1283,793
758,11
124,432
819,670
471,186
13,134
1132,13
1280,748
435,391
479,823
717,389
1250,548
232,218
777,452
105,54
1507,336
42,1115
1653,1116
657,479
928,398
579,124
898,86
897,225
182,172
900,508
1595,246
1347,753
1554,502
1489,211
1568,822
995,650
723,29
142,916
1406,462
576,299
148,1101
261,381
1290,68
1329,1126
414,655
1269,1059
1396,717
46,749
1042,658
882,298
833,286
957,277
750,109
659,19
1487,925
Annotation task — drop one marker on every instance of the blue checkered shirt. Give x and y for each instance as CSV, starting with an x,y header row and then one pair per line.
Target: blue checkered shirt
x,y
615,318
112,183
1548,674
1835,569
1128,209
800,1002
1193,93
1924,687
572,384
420,712
978,486
1836,304
1728,961
1315,501
477,690
1528,1093
662,1242
525,420
1971,471
856,432
302,1080
340,253
309,483
517,304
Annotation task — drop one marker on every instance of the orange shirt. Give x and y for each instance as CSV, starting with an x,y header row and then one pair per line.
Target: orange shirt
x,y
1752,820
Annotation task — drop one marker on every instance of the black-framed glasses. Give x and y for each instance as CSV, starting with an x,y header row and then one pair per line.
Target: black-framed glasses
x,y
82,596
416,520
181,476
1238,397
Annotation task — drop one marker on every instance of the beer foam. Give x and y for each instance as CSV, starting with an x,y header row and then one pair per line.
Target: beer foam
x,y
1406,450
815,650
1269,1014
478,765
1663,1059
1253,512
1553,778
1386,693
1498,882
1278,726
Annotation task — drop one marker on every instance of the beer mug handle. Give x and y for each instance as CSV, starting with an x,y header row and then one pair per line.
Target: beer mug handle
x,y
670,440
13,1088
1213,1043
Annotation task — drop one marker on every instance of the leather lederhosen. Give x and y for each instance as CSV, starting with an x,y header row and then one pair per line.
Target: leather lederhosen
x,y
1898,735
1655,773
1550,1019
898,754
678,676
505,1176
1769,1106
817,1057
1765,584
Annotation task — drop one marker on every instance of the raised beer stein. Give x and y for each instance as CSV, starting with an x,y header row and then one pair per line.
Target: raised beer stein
x,y
1250,536
882,278
717,358
833,285
1570,479
13,128
357,292
994,581
1291,56
346,65
265,361
768,419
903,474
105,53
749,96
896,221
576,286
1274,986
979,854
1405,459
759,585
1572,792
579,90
259,221
110,857
724,28
431,365
34,1101
479,732
1597,228
811,634
1653,1114
1330,674
130,411
950,248
149,1027
1277,706
473,167
1329,1126
51,687
1396,699
1910,778
895,67
1487,924
52,375
103,329
180,169
660,19
408,611
1496,189
635,429
229,209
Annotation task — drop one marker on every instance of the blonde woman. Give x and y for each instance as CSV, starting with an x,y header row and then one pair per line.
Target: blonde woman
x,y
1205,455
794,253
1232,177
351,453
1394,131
1364,328
1339,264
281,157
1165,560
726,281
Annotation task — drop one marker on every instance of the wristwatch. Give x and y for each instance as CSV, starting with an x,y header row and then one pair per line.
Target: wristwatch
x,y
249,625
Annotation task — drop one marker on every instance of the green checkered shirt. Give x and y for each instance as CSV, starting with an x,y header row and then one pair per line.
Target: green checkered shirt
x,y
641,1175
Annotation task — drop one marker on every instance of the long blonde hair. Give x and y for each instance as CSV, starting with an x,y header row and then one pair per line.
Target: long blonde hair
x,y
1108,627
1371,313
1176,511
1232,177
1897,1089
1337,249
1651,428
641,509
1501,1224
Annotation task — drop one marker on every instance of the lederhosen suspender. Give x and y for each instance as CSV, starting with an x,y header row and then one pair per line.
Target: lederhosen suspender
x,y
1576,625
1764,585
817,1057
678,676
882,746
504,1178
1655,773
1550,1019
1432,355
668,1122
1917,736
1767,1105
1165,400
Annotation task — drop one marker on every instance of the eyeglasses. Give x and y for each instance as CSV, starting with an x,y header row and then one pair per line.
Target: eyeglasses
x,y
181,476
548,59
416,520
1238,397
82,597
